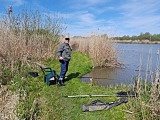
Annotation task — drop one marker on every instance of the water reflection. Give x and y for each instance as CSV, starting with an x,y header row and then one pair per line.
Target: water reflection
x,y
137,59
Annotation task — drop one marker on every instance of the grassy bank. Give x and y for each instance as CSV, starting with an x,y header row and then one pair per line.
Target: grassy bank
x,y
31,99
28,42
40,102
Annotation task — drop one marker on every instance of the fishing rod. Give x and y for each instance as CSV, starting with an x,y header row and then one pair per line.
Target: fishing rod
x,y
120,94
97,78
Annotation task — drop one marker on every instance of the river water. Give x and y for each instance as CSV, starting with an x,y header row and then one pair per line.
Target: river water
x,y
138,59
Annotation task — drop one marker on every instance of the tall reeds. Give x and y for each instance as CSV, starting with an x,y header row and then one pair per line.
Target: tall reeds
x,y
27,36
100,49
147,104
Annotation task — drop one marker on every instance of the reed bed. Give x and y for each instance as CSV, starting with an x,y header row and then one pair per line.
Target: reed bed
x,y
100,49
27,37
147,105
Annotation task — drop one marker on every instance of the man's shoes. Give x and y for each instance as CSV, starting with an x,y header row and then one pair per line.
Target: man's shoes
x,y
60,82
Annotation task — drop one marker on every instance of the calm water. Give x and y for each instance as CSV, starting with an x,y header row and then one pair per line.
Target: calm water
x,y
137,59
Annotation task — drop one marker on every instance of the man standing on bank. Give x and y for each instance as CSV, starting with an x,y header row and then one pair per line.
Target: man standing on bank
x,y
64,55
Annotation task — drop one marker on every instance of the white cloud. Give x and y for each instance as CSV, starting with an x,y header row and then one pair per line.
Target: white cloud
x,y
87,18
80,17
142,7
95,1
140,16
6,4
134,17
18,2
14,2
86,4
127,16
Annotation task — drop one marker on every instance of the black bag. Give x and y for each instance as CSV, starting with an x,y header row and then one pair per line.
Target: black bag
x,y
99,105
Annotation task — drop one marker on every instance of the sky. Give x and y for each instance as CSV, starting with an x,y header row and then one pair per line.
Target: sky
x,y
85,17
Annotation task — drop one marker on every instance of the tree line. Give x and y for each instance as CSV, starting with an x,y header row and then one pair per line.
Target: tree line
x,y
142,36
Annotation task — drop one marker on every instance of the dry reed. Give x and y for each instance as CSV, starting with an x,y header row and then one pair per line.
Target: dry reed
x,y
147,105
8,102
100,49
25,37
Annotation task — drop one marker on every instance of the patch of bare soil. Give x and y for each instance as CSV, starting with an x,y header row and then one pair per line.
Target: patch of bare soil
x,y
8,101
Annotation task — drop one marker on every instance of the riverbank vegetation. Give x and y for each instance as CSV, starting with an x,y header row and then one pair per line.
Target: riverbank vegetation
x,y
142,38
147,105
100,49
25,40
26,37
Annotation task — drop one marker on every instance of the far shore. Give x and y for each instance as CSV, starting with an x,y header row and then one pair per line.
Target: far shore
x,y
137,41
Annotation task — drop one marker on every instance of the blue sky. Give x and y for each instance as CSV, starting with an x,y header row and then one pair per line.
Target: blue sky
x,y
83,17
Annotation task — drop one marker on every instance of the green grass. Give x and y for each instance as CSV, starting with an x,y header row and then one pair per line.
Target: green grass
x,y
43,102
